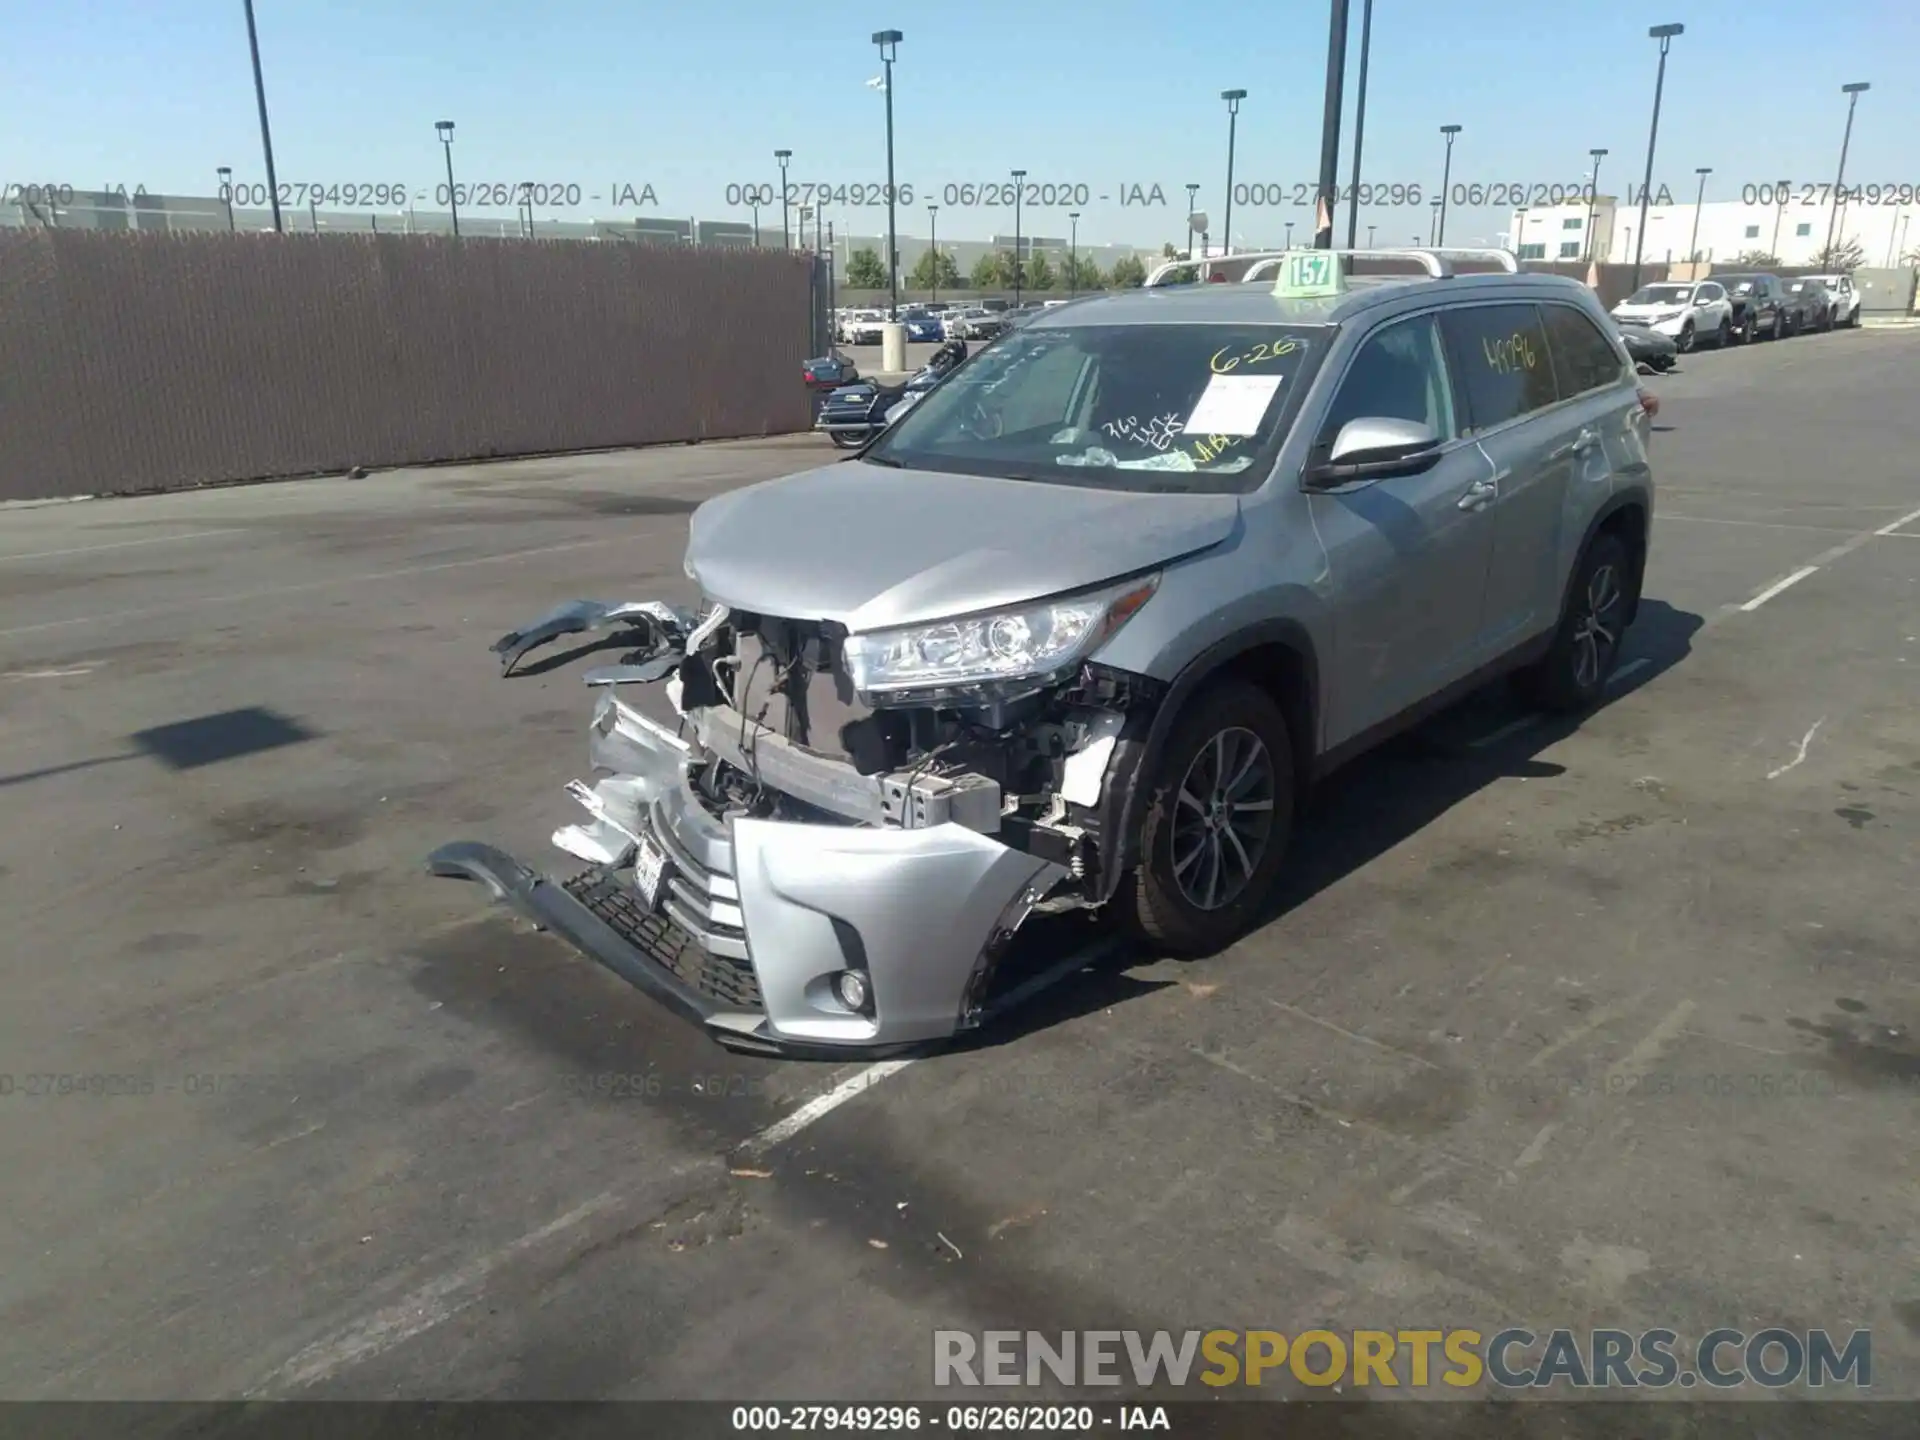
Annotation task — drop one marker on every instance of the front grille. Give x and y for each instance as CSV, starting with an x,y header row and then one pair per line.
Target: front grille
x,y
702,901
610,896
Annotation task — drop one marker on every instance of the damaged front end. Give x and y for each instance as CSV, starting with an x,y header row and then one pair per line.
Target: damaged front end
x,y
809,855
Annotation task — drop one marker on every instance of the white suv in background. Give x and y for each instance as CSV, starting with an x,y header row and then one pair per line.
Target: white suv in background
x,y
1846,299
1688,312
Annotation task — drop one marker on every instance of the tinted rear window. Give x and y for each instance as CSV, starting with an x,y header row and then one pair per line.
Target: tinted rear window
x,y
1583,358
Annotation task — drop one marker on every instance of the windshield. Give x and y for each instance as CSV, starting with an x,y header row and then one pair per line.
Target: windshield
x,y
1661,295
1179,408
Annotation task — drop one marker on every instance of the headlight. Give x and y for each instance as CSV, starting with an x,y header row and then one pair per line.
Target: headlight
x,y
1030,643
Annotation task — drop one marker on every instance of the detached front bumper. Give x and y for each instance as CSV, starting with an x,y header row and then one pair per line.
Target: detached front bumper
x,y
755,918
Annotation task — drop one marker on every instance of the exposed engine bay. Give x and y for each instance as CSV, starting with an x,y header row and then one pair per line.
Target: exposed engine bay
x,y
778,732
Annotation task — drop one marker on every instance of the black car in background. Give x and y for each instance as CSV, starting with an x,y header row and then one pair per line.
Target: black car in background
x,y
1759,306
1814,304
1649,348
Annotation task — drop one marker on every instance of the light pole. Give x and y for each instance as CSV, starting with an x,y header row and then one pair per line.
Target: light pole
x,y
755,203
888,40
1433,220
1330,127
1073,254
1233,99
786,227
1019,184
1359,122
266,135
1699,201
933,246
1446,179
1593,200
1290,234
1193,203
1664,34
526,194
1520,232
1370,230
1852,92
445,127
225,172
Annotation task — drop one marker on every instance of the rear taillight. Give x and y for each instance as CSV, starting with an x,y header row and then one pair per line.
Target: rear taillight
x,y
809,377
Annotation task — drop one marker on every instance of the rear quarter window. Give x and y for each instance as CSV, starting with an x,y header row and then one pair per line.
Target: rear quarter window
x,y
1583,358
1504,361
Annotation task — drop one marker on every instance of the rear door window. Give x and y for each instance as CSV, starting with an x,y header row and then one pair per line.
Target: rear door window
x,y
1504,360
1583,358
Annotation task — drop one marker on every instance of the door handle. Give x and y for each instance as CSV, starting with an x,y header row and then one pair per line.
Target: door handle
x,y
1584,442
1479,495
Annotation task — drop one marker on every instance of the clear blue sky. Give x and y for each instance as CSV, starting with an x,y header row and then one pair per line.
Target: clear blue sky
x,y
690,97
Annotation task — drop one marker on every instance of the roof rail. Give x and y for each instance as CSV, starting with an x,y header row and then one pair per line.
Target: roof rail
x,y
1203,265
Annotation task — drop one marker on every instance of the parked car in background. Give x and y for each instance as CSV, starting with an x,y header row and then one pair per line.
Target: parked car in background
x,y
1757,306
994,305
1687,312
1804,307
976,324
1650,349
1846,298
1818,304
922,326
863,328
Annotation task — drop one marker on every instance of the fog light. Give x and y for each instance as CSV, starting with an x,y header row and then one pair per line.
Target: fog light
x,y
851,987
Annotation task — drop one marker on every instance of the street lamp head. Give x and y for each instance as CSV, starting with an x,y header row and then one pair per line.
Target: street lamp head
x,y
1018,174
1703,170
1450,129
1855,88
1073,214
1598,153
1233,99
1666,32
783,156
887,37
224,171
445,127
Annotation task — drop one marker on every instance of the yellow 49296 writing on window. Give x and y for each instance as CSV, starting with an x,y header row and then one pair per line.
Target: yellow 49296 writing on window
x,y
1514,352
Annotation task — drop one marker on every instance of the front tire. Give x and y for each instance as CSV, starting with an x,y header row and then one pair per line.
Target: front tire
x,y
1683,342
1572,675
1724,336
846,442
1215,823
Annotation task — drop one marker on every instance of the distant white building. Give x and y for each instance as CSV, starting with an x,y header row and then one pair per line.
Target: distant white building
x,y
1719,230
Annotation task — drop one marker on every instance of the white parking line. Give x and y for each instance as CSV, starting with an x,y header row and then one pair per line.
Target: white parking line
x,y
1903,521
790,1125
1774,589
116,545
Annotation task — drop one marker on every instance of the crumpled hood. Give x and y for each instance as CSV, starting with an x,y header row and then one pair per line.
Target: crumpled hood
x,y
870,547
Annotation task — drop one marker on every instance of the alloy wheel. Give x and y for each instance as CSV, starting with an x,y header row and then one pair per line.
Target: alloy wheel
x,y
1597,631
1223,818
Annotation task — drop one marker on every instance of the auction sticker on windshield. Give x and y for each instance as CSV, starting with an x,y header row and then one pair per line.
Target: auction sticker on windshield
x,y
1233,405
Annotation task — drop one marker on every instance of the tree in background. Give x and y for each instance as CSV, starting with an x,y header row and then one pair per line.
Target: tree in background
x,y
864,270
1758,259
1080,273
1127,272
987,274
1170,251
1842,259
1038,274
934,267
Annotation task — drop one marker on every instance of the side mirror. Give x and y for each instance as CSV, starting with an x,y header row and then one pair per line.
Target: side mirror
x,y
1376,448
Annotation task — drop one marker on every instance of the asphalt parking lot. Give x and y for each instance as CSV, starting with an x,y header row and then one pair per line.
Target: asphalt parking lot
x,y
1611,1024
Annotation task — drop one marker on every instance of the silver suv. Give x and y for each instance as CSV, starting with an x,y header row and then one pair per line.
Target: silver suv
x,y
1076,632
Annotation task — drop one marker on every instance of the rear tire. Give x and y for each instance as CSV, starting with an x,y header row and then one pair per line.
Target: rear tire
x,y
1214,824
846,442
1572,675
1723,337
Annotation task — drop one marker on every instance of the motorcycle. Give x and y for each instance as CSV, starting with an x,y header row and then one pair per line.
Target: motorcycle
x,y
854,414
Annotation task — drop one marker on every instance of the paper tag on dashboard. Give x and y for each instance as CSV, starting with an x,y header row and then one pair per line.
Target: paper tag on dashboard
x,y
1233,405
